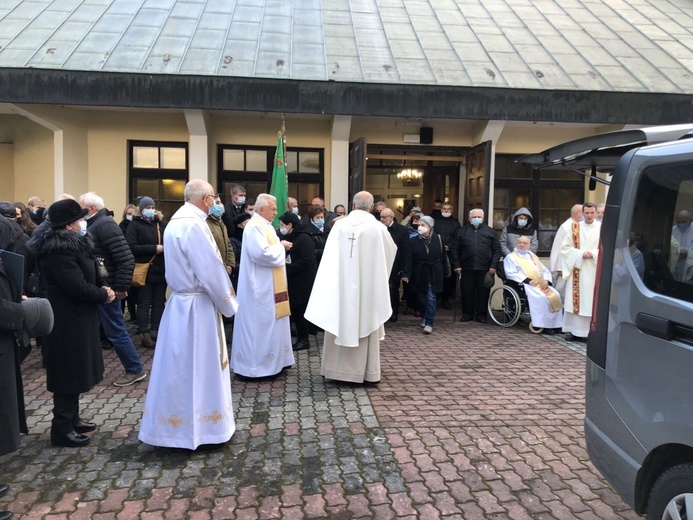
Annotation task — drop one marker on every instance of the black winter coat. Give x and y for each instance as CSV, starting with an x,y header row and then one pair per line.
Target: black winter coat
x,y
300,273
424,267
143,239
475,249
400,236
74,363
447,228
110,244
12,416
319,239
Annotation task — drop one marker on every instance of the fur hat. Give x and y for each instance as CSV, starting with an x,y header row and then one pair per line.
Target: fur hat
x,y
38,318
145,202
7,210
64,212
428,220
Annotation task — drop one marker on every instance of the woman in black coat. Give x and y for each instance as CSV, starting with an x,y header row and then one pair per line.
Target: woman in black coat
x,y
131,300
300,273
423,270
74,363
145,236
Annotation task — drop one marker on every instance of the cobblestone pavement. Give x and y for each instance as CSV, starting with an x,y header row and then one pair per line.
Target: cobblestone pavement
x,y
472,421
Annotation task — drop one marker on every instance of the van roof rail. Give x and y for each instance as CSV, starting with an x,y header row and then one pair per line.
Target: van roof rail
x,y
601,152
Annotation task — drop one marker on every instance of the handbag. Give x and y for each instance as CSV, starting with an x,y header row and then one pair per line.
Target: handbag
x,y
101,271
447,268
139,275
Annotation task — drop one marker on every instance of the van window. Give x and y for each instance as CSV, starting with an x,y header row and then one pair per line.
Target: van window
x,y
661,230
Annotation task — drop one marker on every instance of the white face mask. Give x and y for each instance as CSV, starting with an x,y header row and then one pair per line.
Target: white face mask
x,y
240,200
423,230
294,210
446,214
476,221
82,228
283,231
128,217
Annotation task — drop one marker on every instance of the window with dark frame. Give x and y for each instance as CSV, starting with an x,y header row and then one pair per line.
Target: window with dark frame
x,y
158,169
548,194
251,167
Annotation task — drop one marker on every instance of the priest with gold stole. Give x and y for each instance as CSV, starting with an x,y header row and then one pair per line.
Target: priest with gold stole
x,y
262,333
524,267
579,267
188,401
350,295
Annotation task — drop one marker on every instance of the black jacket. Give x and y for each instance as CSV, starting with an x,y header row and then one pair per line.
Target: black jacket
x,y
142,238
110,244
424,267
400,236
300,273
318,237
475,249
447,228
74,363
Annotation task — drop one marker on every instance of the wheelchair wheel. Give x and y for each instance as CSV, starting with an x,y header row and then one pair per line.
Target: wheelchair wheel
x,y
504,306
534,329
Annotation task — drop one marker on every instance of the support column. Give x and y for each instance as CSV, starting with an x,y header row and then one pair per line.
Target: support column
x,y
491,131
339,162
198,152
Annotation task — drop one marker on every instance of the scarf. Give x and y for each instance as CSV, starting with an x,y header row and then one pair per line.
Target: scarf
x,y
281,292
575,233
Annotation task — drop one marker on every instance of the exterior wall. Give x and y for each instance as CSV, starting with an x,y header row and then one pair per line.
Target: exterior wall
x,y
7,172
33,163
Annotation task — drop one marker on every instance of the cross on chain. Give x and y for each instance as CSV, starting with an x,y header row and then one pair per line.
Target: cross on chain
x,y
352,238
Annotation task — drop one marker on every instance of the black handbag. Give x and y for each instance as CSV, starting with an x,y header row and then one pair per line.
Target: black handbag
x,y
447,268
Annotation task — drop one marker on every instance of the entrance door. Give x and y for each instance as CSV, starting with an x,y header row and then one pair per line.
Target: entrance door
x,y
478,166
357,168
441,182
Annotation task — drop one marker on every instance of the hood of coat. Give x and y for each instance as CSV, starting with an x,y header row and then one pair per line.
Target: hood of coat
x,y
46,240
523,211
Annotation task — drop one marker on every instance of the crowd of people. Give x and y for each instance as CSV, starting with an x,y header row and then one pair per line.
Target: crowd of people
x,y
322,270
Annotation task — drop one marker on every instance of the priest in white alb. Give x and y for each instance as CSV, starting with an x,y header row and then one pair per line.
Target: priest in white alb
x,y
524,267
350,294
188,402
578,264
555,258
261,332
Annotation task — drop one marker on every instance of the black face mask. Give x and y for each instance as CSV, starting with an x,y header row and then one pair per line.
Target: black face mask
x,y
415,226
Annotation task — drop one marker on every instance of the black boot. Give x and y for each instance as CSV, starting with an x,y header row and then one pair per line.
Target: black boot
x,y
5,515
301,344
84,427
69,440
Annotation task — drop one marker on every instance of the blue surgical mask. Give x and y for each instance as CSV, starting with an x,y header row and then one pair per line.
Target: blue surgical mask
x,y
217,210
476,221
82,228
683,226
522,222
319,223
148,213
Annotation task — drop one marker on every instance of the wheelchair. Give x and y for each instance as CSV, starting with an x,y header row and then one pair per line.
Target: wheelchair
x,y
507,304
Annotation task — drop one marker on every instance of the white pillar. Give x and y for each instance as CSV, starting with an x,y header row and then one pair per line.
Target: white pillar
x,y
198,157
339,162
491,132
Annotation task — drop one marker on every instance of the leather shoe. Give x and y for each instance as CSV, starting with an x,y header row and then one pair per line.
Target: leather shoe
x,y
393,318
466,318
481,319
70,440
301,344
571,337
5,515
4,488
84,427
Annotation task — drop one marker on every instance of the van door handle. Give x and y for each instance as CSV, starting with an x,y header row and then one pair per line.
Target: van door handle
x,y
655,326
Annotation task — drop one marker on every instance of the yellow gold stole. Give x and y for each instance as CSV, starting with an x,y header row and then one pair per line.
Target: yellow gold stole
x,y
281,293
533,270
575,232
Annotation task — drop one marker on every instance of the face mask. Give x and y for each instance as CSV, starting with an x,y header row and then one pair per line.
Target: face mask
x,y
87,217
476,221
82,228
284,231
128,217
217,210
446,214
240,200
415,226
319,223
683,227
148,213
521,222
251,213
294,210
423,230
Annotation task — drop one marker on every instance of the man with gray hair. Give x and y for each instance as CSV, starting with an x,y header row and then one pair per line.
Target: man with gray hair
x,y
347,298
262,333
188,401
111,248
292,205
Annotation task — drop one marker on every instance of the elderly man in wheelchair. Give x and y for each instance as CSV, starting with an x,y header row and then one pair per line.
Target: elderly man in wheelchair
x,y
526,293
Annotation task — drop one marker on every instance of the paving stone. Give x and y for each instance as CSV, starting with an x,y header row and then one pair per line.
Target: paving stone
x,y
476,423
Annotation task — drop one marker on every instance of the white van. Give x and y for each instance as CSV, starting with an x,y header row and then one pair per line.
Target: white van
x,y
639,379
